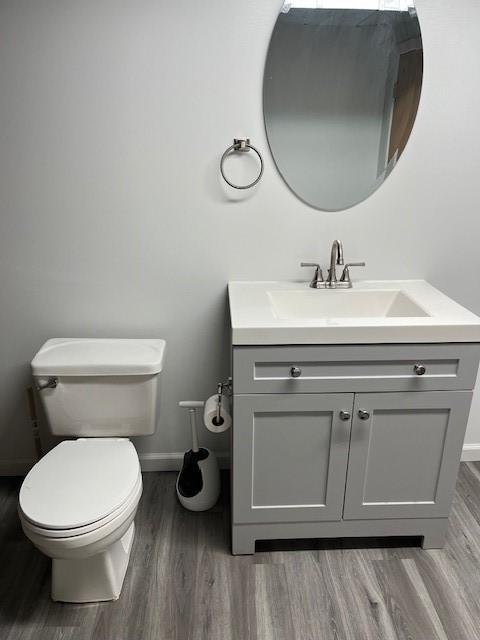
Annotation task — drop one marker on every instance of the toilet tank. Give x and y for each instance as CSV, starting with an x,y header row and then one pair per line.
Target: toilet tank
x,y
100,387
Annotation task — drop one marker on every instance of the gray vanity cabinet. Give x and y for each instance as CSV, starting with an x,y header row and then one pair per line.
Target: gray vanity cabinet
x,y
338,441
404,454
291,452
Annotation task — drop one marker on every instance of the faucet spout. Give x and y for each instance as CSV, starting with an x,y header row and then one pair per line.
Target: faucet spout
x,y
336,257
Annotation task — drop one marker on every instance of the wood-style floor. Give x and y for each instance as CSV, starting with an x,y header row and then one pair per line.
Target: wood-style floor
x,y
183,583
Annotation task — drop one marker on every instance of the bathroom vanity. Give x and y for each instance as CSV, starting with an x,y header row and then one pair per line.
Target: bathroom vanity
x,y
349,409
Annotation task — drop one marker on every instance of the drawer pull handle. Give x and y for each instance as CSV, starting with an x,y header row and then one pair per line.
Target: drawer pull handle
x,y
420,369
345,415
363,415
295,372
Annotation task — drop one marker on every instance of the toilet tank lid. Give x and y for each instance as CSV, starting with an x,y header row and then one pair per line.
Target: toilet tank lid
x,y
99,357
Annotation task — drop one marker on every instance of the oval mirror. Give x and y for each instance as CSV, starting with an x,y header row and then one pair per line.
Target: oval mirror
x,y
340,94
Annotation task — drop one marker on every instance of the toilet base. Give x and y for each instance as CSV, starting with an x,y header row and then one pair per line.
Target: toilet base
x,y
94,579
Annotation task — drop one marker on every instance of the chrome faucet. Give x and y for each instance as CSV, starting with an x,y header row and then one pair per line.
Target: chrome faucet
x,y
336,258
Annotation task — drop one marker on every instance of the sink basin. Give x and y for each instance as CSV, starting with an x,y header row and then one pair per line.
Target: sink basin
x,y
349,303
383,311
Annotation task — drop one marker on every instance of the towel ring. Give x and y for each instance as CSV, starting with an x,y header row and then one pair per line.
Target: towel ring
x,y
243,146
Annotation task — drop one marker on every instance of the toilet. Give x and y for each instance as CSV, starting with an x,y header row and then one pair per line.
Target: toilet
x,y
78,503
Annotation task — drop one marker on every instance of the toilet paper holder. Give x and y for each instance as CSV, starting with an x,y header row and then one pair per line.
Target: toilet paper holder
x,y
221,386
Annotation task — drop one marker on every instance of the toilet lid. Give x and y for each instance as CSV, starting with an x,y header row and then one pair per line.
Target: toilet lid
x,y
79,482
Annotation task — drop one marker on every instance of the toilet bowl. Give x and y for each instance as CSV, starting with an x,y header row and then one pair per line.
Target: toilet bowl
x,y
77,505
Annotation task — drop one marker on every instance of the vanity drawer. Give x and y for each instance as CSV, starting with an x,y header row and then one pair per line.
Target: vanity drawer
x,y
352,368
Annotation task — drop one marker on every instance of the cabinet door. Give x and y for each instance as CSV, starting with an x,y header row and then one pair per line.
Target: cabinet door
x,y
404,454
290,456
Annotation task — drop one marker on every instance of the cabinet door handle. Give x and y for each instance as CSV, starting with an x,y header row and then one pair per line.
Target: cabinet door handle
x,y
363,415
295,372
345,415
420,369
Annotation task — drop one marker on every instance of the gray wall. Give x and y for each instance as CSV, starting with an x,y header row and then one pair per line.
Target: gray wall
x,y
113,218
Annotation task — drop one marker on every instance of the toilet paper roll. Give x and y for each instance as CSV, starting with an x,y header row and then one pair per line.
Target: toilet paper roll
x,y
210,414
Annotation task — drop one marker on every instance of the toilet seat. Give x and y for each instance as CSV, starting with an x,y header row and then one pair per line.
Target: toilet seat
x,y
59,544
80,486
123,510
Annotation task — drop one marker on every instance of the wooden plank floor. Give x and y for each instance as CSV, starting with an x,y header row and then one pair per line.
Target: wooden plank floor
x,y
183,584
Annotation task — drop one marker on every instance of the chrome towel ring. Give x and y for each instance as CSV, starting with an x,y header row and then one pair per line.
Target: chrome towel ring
x,y
243,146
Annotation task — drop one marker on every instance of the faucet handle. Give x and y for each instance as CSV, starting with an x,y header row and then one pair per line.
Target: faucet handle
x,y
318,276
345,277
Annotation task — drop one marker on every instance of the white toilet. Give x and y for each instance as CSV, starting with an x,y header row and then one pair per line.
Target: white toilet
x,y
78,503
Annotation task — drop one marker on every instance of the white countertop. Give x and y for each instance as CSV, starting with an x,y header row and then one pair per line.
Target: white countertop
x,y
259,317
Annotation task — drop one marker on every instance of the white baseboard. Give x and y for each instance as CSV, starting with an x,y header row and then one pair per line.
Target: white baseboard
x,y
471,452
148,462
173,461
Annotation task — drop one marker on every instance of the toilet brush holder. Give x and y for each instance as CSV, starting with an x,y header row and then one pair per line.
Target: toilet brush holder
x,y
198,483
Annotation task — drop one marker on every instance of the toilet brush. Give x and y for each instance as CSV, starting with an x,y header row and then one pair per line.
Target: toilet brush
x,y
198,483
